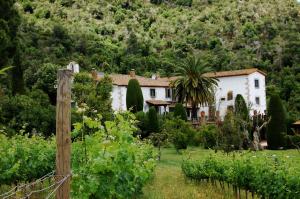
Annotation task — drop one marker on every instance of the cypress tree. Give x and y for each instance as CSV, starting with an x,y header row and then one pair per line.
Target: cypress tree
x,y
134,96
153,125
180,112
240,107
277,125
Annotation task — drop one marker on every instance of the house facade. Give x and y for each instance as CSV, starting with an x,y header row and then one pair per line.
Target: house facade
x,y
250,83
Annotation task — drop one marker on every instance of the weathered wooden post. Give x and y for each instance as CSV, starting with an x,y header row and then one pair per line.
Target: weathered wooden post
x,y
63,128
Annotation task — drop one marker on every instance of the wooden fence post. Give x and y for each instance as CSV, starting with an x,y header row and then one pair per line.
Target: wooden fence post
x,y
63,128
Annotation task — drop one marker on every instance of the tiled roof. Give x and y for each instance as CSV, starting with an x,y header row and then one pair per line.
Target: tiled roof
x,y
158,102
234,73
122,80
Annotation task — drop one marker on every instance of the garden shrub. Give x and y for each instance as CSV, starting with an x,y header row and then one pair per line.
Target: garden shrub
x,y
134,96
292,141
276,128
180,133
230,135
142,119
209,136
153,124
240,107
180,112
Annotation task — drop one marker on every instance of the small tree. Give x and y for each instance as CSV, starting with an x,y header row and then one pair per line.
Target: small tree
x,y
134,96
230,134
276,128
240,107
180,112
153,126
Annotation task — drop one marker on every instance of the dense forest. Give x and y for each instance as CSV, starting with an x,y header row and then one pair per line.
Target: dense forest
x,y
39,36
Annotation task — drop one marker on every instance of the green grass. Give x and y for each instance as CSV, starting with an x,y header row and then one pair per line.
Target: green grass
x,y
170,183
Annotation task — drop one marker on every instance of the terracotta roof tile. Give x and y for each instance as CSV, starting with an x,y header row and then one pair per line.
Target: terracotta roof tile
x,y
122,80
234,73
158,102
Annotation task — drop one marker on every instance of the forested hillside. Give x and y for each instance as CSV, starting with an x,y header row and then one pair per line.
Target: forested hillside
x,y
152,36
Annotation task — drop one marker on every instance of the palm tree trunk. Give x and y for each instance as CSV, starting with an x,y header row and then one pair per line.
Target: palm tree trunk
x,y
194,111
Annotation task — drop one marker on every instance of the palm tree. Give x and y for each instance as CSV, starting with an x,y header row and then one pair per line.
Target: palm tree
x,y
3,70
192,85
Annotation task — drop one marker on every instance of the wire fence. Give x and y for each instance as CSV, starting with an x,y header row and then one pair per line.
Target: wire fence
x,y
44,187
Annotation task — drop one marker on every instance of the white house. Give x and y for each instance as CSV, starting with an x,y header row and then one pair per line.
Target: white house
x,y
156,91
250,83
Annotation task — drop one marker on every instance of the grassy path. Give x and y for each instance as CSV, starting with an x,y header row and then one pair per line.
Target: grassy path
x,y
169,182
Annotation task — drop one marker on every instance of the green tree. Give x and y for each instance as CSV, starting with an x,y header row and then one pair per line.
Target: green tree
x,y
153,125
276,128
240,107
192,86
134,96
9,48
47,79
180,112
96,95
230,134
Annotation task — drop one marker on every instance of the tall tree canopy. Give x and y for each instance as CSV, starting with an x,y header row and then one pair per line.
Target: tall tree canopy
x,y
192,86
134,96
277,125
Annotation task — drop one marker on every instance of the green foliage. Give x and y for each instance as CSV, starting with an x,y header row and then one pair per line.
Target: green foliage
x,y
142,124
156,1
180,112
24,159
153,124
180,133
46,79
31,112
226,34
193,86
276,128
292,141
230,134
110,163
134,96
209,136
107,163
96,96
266,176
183,2
240,107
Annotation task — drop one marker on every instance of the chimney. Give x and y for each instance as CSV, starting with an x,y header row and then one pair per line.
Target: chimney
x,y
132,73
155,76
94,74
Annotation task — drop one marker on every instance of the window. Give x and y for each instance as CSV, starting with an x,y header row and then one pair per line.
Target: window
x,y
257,101
152,92
168,93
256,83
223,99
229,95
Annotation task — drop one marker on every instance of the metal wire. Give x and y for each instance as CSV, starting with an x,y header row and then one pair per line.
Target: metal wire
x,y
46,188
17,188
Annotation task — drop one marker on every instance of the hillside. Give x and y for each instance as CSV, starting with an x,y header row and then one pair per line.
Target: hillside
x,y
118,35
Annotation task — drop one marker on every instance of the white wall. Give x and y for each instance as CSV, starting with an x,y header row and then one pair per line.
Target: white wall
x,y
119,97
257,92
243,85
